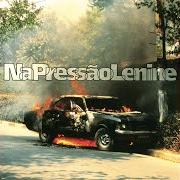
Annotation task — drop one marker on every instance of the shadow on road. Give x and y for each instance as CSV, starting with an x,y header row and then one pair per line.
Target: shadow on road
x,y
29,149
26,151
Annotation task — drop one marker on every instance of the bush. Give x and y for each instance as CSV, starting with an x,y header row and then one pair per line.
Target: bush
x,y
170,132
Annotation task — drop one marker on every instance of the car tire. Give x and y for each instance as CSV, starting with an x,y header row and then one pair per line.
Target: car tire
x,y
104,139
31,121
46,138
43,137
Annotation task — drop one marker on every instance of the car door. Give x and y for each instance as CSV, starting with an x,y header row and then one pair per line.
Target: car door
x,y
62,109
78,111
71,116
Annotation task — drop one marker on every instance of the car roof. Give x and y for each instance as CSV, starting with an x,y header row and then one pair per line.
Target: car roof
x,y
90,96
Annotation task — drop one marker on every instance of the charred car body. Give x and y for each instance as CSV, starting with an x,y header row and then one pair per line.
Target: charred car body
x,y
95,117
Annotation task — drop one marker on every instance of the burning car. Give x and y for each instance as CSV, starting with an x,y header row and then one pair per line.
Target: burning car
x,y
101,118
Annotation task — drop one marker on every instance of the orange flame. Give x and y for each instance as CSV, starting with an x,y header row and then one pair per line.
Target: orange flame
x,y
77,142
47,103
41,108
36,106
78,88
126,109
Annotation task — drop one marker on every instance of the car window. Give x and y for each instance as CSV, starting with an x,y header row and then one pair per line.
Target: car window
x,y
104,104
63,104
78,104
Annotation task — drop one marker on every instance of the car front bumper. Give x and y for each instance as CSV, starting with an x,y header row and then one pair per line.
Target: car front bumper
x,y
125,132
136,137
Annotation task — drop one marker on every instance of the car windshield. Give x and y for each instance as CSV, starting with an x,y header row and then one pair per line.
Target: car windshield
x,y
106,104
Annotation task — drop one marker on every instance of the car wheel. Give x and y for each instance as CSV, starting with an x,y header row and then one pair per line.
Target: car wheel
x,y
104,139
46,138
43,137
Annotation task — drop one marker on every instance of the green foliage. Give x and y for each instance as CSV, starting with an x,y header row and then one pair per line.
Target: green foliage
x,y
97,38
171,12
59,43
20,14
33,48
100,4
170,132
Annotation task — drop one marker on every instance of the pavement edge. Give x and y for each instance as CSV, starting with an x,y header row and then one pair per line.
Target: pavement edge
x,y
165,154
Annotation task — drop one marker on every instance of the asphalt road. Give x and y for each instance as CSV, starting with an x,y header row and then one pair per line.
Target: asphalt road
x,y
22,156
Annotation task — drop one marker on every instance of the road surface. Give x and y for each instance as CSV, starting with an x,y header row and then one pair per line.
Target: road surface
x,y
22,156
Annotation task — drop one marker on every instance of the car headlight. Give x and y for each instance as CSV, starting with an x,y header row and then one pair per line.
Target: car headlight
x,y
121,126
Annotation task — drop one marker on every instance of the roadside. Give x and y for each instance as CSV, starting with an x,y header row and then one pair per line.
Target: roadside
x,y
164,154
24,157
159,153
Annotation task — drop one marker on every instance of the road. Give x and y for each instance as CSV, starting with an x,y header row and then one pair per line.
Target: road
x,y
22,156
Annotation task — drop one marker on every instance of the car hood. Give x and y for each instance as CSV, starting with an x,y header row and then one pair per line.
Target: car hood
x,y
125,116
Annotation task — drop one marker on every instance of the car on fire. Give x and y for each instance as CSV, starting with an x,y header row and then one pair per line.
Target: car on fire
x,y
102,118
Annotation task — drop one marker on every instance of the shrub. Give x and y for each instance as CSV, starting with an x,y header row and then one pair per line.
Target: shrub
x,y
170,132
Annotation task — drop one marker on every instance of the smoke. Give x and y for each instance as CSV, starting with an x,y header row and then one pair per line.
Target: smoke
x,y
13,106
120,34
68,11
125,36
73,35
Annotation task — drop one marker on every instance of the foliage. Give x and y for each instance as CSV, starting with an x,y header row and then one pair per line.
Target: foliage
x,y
33,47
170,132
52,44
97,38
171,12
120,37
101,4
20,14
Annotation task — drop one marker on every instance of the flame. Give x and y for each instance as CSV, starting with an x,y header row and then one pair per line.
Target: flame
x,y
47,103
40,108
78,88
126,109
77,142
36,106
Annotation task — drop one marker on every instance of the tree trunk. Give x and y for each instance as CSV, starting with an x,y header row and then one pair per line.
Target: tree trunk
x,y
162,27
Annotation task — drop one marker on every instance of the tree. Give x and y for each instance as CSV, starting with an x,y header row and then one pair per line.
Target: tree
x,y
20,14
169,19
120,37
101,4
97,38
169,15
56,42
